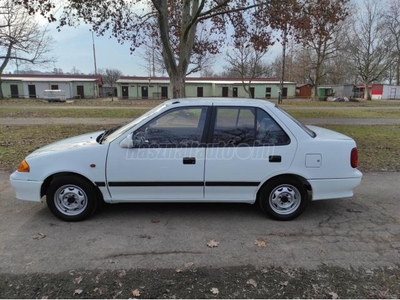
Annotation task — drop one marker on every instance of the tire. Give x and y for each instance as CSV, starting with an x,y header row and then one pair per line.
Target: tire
x,y
284,198
71,198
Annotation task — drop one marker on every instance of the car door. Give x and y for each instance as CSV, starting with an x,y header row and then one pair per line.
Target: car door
x,y
165,161
246,146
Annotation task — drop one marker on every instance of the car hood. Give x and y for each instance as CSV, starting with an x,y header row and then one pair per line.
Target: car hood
x,y
85,140
323,133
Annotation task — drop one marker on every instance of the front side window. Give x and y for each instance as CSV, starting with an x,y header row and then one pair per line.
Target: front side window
x,y
246,126
181,127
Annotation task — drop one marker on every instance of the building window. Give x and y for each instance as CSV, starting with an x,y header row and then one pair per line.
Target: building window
x,y
54,87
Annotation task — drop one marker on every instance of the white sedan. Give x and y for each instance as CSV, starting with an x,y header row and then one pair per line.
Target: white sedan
x,y
192,150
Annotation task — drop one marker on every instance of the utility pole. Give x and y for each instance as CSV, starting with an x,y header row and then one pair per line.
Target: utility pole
x,y
280,98
94,54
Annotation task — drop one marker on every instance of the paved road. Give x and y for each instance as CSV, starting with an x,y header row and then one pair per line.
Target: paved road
x,y
361,232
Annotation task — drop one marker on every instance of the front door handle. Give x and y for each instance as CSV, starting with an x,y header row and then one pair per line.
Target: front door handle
x,y
189,160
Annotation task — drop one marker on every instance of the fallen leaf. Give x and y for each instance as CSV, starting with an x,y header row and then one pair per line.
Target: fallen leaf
x,y
78,292
189,265
260,243
284,283
78,280
252,282
39,236
178,271
213,243
98,291
334,295
136,293
215,291
155,221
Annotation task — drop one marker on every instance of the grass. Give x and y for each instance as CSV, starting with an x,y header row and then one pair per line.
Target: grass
x,y
150,103
347,114
379,146
132,112
70,113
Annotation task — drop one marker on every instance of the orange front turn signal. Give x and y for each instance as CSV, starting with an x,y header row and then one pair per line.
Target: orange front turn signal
x,y
23,167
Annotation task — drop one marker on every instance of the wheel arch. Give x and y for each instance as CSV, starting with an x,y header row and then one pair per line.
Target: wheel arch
x,y
300,178
49,179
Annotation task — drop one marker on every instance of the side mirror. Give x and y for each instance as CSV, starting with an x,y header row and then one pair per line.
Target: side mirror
x,y
132,141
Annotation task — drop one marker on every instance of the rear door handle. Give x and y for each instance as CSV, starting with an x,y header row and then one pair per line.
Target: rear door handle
x,y
189,160
275,158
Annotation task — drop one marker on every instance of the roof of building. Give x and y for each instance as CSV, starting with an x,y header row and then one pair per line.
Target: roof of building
x,y
166,80
53,77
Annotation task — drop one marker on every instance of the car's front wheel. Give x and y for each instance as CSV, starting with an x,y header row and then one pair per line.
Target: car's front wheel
x,y
71,198
284,198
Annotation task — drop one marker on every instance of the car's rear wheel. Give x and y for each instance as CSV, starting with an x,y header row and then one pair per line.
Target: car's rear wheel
x,y
71,198
284,198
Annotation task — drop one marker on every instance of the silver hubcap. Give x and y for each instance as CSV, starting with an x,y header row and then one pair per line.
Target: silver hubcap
x,y
285,199
70,200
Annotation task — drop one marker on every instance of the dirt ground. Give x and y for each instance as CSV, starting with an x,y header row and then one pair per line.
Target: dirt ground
x,y
234,282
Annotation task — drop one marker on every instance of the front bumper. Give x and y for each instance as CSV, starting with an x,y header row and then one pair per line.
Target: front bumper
x,y
25,189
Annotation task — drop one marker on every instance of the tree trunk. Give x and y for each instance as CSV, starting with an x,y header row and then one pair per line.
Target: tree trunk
x,y
366,92
1,89
178,85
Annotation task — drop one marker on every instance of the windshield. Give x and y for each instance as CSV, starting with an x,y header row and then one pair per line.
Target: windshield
x,y
304,127
112,134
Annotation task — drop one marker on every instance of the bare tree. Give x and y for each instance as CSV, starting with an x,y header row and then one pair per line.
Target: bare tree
x,y
391,21
246,63
369,48
21,38
321,32
110,77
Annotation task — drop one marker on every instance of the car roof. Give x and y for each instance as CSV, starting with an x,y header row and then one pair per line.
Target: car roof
x,y
220,101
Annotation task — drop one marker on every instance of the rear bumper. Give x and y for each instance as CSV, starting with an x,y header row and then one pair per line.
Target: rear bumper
x,y
26,189
323,189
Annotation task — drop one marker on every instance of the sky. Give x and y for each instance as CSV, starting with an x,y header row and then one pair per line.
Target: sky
x,y
73,48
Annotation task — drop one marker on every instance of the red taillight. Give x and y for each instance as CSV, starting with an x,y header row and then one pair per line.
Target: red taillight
x,y
354,158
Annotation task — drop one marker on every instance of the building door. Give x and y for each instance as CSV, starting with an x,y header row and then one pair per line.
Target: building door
x,y
199,91
164,92
252,92
235,92
80,91
284,92
32,91
125,92
268,93
145,92
14,91
225,91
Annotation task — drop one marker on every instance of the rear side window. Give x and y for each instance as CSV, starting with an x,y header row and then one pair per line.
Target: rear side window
x,y
246,126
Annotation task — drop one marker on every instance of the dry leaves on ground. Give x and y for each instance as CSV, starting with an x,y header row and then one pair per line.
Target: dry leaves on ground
x,y
252,282
213,243
215,291
136,293
39,236
260,243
